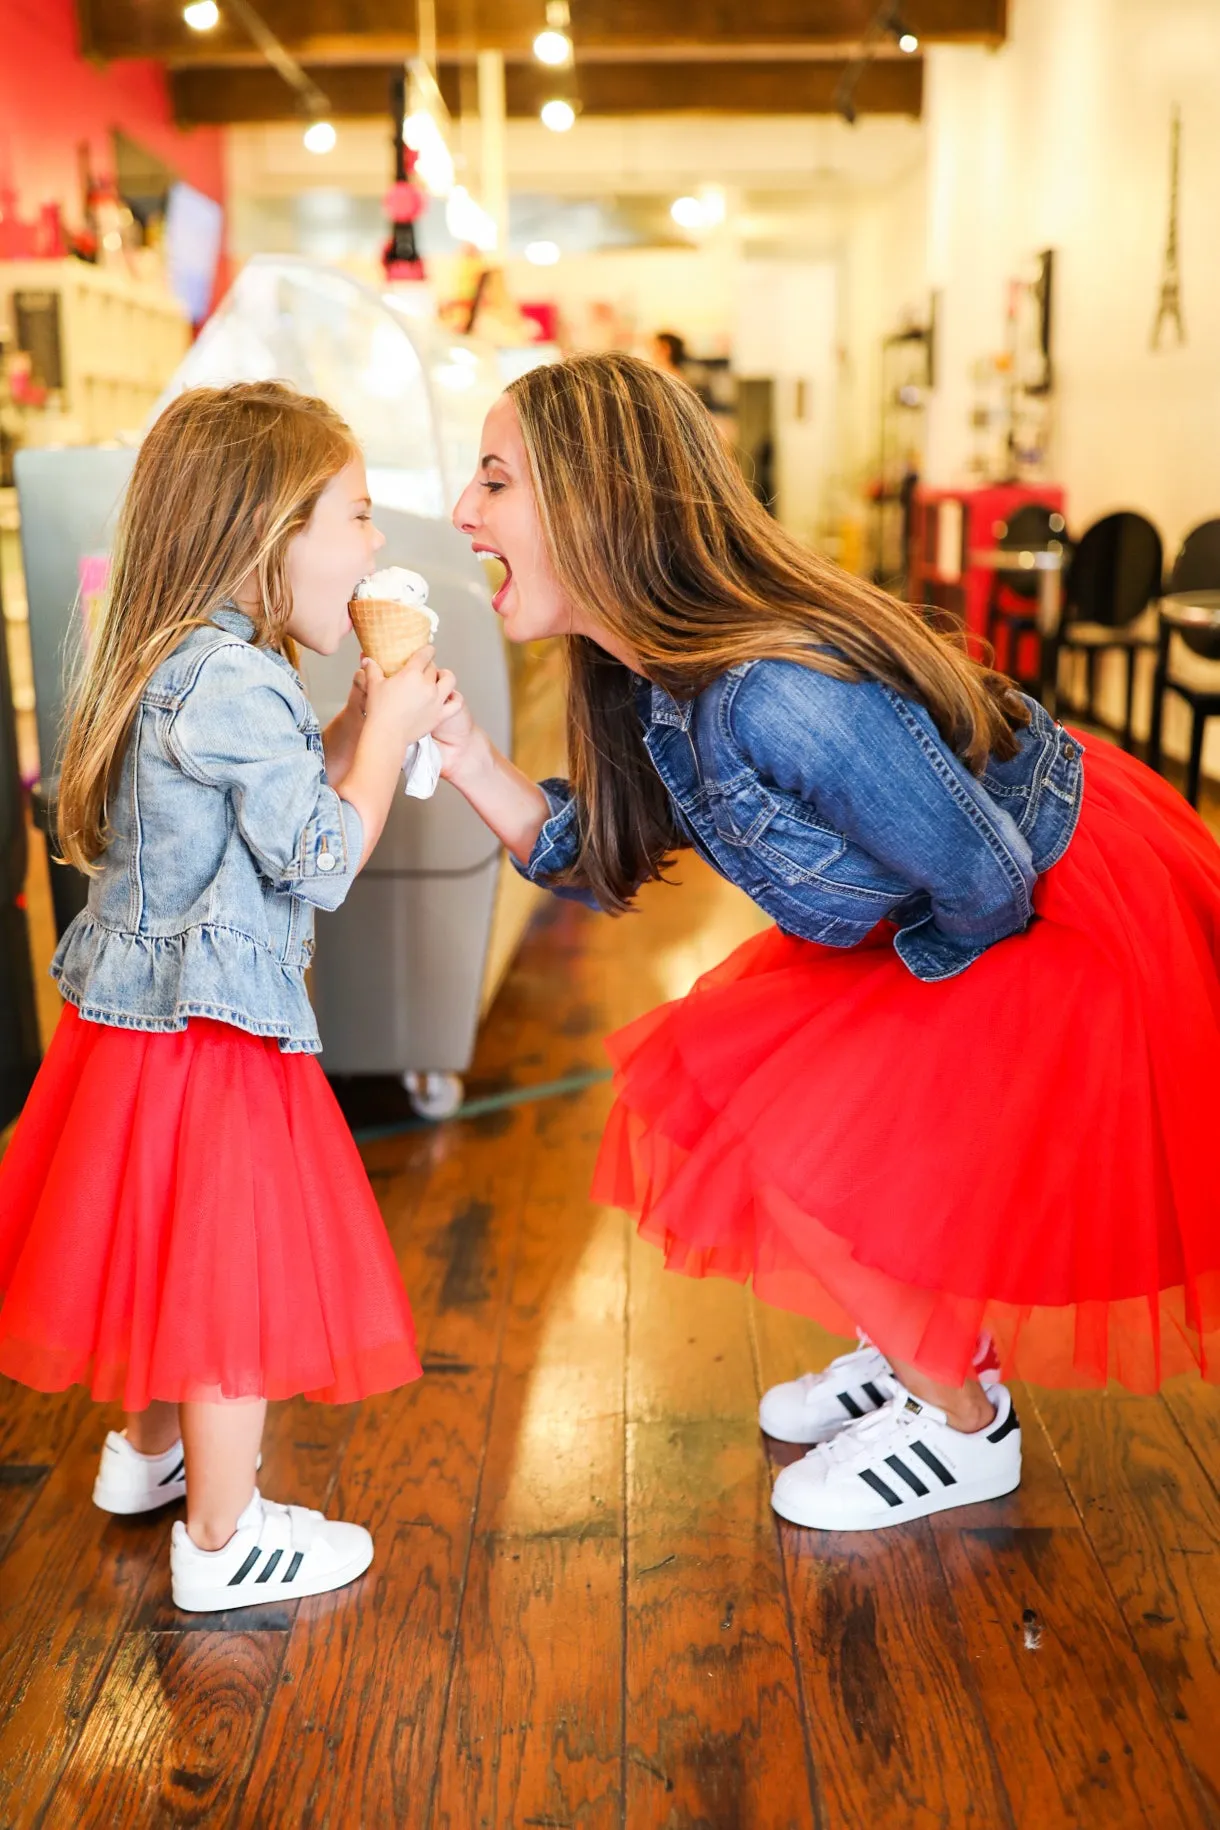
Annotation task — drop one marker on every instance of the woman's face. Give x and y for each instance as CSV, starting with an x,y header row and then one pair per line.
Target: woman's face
x,y
498,514
329,557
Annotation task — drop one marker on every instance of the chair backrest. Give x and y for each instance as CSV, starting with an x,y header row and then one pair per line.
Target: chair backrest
x,y
1197,568
1115,571
1032,527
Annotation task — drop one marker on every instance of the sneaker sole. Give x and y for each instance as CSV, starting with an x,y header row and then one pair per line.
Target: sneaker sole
x,y
223,1600
804,1441
126,1505
948,1500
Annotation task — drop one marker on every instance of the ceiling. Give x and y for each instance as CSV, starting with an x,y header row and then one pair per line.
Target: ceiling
x,y
655,57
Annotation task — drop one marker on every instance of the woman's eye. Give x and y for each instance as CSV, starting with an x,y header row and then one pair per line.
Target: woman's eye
x,y
494,488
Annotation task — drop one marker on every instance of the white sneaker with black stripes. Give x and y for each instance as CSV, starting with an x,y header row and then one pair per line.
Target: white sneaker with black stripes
x,y
128,1482
902,1463
818,1405
277,1553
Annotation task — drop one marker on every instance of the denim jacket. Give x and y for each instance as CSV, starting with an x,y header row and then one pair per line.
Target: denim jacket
x,y
226,837
836,805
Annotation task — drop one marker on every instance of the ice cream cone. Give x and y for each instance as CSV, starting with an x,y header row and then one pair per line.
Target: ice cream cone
x,y
389,632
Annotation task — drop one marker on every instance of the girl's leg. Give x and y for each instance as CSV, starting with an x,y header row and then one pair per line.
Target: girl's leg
x,y
155,1430
221,1443
967,1407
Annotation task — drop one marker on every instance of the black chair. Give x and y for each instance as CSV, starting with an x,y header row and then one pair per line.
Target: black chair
x,y
1012,604
1196,569
1114,575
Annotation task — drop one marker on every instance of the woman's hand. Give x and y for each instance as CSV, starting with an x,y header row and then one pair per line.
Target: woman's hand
x,y
456,736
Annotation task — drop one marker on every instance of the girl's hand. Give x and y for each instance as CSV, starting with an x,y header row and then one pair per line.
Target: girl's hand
x,y
408,705
357,698
342,734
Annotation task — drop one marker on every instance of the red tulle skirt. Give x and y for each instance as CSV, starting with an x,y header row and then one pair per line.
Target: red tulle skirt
x,y
185,1216
1028,1148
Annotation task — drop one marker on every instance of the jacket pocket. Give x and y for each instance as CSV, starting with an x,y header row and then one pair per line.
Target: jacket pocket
x,y
789,845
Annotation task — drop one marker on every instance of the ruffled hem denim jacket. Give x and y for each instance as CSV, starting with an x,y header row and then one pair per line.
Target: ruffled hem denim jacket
x,y
226,837
835,805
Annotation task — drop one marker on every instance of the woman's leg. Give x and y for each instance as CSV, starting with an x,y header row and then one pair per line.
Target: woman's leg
x,y
155,1430
221,1443
967,1407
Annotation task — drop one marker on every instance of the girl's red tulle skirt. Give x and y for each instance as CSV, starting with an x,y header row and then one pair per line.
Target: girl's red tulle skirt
x,y
185,1216
1027,1149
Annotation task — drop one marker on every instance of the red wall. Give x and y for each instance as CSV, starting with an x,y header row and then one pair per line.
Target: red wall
x,y
50,99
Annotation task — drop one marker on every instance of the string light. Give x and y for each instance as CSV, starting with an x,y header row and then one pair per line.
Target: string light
x,y
558,115
320,137
542,253
202,15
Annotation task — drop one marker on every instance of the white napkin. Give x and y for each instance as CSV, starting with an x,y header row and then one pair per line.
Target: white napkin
x,y
422,768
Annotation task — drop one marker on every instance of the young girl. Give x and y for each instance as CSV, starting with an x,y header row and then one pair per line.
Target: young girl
x,y
965,1086
185,1224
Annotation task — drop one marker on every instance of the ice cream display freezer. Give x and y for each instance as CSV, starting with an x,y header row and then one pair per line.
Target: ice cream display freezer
x,y
405,968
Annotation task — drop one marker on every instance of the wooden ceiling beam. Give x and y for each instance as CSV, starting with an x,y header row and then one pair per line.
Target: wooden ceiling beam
x,y
342,31
225,97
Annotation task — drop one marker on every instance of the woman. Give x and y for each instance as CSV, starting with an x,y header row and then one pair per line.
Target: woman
x,y
960,1092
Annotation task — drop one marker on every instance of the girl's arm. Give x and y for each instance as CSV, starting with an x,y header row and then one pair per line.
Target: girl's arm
x,y
398,712
342,734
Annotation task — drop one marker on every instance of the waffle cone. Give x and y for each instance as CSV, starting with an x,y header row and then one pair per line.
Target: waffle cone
x,y
390,633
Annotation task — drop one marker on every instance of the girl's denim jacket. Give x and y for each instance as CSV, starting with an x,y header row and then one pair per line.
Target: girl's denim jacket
x,y
226,837
836,805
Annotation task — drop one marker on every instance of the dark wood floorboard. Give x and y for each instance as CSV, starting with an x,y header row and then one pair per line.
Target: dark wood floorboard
x,y
582,1611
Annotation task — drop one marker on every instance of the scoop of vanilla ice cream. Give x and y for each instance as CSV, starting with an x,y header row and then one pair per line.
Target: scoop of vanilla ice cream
x,y
399,585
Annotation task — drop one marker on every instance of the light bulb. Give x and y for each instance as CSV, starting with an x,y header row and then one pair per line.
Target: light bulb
x,y
553,48
202,15
542,253
320,137
558,116
688,213
908,43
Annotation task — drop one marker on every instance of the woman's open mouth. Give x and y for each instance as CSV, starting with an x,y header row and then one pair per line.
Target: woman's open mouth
x,y
499,573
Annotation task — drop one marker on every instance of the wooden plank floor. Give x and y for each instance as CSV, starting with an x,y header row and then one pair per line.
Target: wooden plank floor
x,y
582,1611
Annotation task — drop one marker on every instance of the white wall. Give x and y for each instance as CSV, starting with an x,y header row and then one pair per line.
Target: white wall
x,y
1061,140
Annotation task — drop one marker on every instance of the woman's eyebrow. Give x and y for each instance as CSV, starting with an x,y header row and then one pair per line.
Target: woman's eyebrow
x,y
491,458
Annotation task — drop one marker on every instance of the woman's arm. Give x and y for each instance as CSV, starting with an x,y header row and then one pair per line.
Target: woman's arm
x,y
504,797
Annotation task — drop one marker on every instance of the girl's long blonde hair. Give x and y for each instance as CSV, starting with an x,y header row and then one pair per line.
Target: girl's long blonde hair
x,y
223,481
651,529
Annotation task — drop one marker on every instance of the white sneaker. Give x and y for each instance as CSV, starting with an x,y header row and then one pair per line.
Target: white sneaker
x,y
818,1406
277,1553
129,1482
901,1463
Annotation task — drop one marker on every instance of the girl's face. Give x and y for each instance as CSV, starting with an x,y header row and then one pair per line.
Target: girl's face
x,y
498,514
329,557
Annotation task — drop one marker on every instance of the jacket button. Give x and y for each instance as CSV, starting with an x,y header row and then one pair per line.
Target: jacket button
x,y
326,861
1069,749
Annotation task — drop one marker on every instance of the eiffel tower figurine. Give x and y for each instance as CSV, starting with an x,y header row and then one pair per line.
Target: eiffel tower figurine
x,y
1169,311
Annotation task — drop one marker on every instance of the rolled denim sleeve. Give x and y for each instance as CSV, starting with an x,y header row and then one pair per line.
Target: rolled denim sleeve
x,y
557,846
236,729
873,766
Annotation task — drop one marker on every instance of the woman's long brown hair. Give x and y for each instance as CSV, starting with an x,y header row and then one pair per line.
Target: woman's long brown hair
x,y
223,481
651,529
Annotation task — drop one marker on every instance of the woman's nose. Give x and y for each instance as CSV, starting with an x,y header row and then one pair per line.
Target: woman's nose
x,y
463,513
